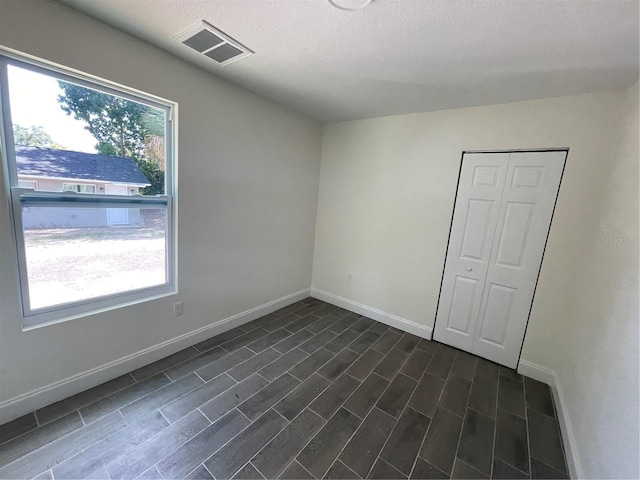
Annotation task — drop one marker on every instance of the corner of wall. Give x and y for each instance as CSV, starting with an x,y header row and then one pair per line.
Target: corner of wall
x,y
548,376
384,317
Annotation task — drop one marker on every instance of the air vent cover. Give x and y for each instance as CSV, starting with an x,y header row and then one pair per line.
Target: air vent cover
x,y
212,43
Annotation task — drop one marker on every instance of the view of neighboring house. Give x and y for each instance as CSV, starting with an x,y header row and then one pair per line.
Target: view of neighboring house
x,y
53,170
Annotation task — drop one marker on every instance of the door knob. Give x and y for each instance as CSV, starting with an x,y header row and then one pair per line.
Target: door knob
x,y
469,269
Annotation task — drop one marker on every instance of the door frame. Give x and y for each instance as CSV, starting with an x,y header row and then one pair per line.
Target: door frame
x,y
553,211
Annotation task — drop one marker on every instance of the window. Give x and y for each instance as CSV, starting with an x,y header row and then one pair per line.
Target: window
x,y
78,188
90,169
31,184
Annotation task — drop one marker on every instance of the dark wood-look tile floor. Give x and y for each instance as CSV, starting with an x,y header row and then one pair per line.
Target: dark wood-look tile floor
x,y
310,391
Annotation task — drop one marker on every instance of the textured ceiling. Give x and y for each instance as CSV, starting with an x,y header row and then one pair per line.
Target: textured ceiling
x,y
401,56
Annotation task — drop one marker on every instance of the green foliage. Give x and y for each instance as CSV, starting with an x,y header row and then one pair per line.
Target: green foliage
x,y
33,136
156,178
111,120
153,121
122,128
104,148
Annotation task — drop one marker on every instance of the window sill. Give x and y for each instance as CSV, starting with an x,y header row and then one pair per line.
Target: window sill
x,y
94,307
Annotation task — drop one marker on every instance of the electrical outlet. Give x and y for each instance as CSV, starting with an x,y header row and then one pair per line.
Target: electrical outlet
x,y
349,278
178,309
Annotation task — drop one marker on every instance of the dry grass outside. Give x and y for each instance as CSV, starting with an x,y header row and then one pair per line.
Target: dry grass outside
x,y
72,264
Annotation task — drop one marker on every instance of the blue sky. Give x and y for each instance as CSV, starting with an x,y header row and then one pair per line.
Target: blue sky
x,y
34,102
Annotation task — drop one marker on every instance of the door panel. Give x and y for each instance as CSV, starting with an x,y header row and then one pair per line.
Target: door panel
x,y
475,231
513,240
473,226
493,325
499,229
462,305
527,177
486,176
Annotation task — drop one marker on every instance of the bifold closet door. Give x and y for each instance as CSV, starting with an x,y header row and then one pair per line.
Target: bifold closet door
x,y
500,224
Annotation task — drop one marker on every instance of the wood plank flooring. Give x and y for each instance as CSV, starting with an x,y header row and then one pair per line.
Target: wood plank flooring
x,y
310,391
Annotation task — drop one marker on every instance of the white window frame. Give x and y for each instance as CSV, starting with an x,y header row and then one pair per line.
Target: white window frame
x,y
17,197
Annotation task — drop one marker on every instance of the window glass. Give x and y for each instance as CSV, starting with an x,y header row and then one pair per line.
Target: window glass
x,y
69,264
64,129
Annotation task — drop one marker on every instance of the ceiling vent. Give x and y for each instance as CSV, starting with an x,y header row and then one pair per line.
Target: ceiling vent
x,y
212,43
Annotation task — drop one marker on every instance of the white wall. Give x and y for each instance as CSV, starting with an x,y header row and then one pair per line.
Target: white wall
x,y
586,317
387,188
248,183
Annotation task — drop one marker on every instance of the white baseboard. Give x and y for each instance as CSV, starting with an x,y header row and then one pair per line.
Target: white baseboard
x,y
384,317
54,392
548,376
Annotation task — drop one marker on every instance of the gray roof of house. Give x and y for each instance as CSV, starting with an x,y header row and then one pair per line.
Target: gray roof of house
x,y
48,162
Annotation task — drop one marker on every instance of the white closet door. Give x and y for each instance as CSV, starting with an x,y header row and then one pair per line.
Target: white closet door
x,y
500,224
533,179
473,227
